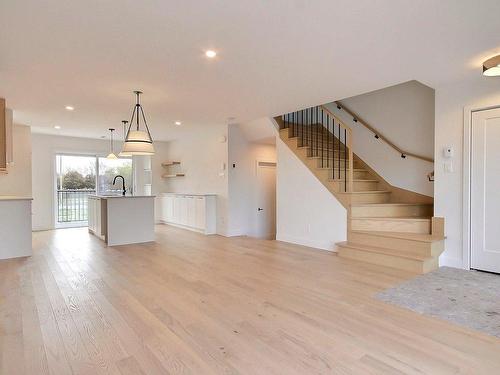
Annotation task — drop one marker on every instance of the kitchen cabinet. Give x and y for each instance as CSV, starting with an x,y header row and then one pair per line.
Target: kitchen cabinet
x,y
97,216
196,212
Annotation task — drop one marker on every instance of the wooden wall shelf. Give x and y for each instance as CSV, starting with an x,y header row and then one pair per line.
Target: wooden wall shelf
x,y
169,163
170,172
173,175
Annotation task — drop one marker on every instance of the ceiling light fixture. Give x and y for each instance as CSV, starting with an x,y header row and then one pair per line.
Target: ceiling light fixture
x,y
69,108
111,154
491,67
138,142
210,54
178,123
57,127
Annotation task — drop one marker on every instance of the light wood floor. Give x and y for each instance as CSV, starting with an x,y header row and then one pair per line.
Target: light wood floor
x,y
191,304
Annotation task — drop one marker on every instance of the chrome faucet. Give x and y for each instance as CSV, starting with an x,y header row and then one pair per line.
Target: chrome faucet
x,y
123,183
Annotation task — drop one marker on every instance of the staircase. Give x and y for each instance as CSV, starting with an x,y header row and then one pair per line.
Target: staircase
x,y
387,225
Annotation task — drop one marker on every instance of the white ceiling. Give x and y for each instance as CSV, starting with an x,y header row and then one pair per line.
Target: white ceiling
x,y
273,56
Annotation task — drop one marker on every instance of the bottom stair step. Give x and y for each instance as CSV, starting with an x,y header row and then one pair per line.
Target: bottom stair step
x,y
405,261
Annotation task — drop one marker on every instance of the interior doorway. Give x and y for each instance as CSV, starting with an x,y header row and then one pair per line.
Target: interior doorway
x,y
265,210
484,190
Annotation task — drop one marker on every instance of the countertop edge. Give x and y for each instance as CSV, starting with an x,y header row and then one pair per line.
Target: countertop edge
x,y
14,198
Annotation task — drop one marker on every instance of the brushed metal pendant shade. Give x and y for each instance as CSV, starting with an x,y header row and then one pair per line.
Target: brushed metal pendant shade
x,y
137,141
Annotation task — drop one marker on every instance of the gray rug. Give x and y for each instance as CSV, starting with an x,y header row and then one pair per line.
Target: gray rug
x,y
467,298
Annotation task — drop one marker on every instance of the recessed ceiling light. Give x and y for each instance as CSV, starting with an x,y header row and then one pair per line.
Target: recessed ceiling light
x,y
178,123
57,127
69,108
210,54
491,67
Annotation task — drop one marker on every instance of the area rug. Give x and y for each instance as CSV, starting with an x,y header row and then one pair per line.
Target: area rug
x,y
467,298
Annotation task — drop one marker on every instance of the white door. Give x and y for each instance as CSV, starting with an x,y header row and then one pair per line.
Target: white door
x,y
485,190
265,210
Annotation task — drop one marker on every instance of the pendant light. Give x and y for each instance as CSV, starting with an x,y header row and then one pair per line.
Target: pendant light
x,y
111,154
124,154
137,141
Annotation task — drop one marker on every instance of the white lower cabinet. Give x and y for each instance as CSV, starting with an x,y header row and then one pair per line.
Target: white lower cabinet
x,y
195,212
95,216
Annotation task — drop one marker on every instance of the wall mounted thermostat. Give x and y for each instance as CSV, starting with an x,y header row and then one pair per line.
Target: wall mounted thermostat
x,y
448,152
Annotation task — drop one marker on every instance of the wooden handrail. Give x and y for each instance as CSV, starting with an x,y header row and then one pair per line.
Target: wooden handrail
x,y
342,124
379,135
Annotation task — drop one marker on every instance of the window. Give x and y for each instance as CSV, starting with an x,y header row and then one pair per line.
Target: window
x,y
108,169
77,176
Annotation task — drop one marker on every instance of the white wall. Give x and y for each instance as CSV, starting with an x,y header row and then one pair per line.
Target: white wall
x,y
405,115
242,178
307,213
477,92
44,149
18,180
202,155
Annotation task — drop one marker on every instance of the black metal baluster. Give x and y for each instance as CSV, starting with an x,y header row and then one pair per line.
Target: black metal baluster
x,y
328,145
345,159
338,155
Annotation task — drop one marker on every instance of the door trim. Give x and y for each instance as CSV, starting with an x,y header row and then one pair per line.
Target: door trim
x,y
466,181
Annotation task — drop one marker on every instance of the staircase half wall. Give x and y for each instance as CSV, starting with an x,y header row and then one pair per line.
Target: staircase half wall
x,y
307,212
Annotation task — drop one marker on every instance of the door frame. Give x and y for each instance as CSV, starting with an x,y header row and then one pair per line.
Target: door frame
x,y
466,181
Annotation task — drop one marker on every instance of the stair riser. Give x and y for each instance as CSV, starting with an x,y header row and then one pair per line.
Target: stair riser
x,y
327,153
392,211
357,175
358,185
410,265
344,164
388,225
370,198
427,249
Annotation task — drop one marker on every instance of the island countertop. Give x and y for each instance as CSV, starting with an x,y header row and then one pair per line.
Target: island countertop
x,y
14,198
120,196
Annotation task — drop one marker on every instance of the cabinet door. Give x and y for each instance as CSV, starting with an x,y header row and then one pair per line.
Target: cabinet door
x,y
98,218
176,210
183,206
169,213
190,210
199,212
164,208
91,213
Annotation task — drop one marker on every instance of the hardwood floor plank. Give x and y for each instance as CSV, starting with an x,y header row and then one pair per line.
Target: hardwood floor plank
x,y
34,347
11,326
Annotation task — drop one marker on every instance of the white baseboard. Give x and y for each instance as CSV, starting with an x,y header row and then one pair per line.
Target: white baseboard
x,y
451,262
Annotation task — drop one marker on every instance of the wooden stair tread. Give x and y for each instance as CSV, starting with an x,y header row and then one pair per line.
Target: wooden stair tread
x,y
390,204
367,192
402,235
402,218
382,250
354,179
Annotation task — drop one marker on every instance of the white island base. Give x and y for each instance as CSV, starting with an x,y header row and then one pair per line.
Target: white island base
x,y
122,220
15,227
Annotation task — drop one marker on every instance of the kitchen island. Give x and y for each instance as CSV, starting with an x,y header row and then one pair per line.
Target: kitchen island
x,y
121,220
